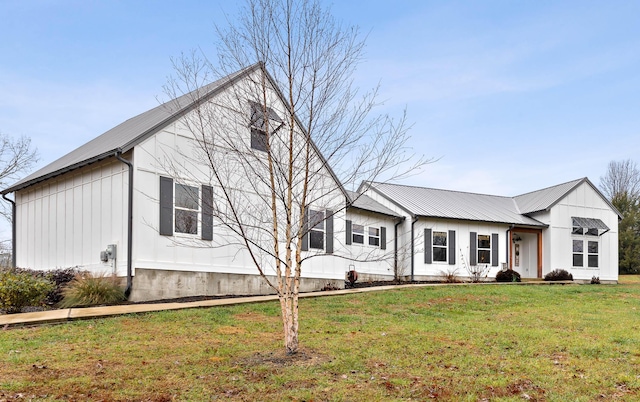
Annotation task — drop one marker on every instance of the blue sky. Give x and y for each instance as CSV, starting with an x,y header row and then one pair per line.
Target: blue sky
x,y
512,96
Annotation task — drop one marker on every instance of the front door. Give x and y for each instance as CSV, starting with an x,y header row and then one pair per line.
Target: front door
x,y
525,254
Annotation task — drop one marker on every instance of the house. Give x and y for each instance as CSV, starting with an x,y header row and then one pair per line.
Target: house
x,y
570,226
138,202
141,201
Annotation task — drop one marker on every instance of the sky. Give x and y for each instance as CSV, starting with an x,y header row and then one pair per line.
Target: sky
x,y
508,96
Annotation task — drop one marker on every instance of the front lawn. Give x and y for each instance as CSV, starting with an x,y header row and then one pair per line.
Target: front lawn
x,y
475,342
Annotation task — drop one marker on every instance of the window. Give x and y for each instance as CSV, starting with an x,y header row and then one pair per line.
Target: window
x,y
357,233
585,233
316,234
258,140
183,208
186,209
578,248
374,236
592,254
259,125
484,249
440,246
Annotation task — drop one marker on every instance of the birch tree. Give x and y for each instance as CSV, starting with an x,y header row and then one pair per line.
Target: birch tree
x,y
313,134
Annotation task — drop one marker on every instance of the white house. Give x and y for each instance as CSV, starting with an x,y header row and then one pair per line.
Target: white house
x,y
138,201
570,226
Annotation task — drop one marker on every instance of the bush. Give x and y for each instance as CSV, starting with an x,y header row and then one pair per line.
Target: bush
x,y
59,277
20,289
558,275
88,290
595,280
450,276
508,276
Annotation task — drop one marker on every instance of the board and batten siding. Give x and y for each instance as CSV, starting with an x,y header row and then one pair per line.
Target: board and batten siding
x,y
460,252
371,262
583,201
224,253
67,221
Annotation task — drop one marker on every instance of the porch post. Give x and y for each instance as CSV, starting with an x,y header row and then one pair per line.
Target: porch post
x,y
540,254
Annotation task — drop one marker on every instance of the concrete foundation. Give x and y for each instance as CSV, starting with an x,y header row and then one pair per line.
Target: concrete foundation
x,y
156,284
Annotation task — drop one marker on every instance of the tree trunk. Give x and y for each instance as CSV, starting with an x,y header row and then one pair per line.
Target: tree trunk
x,y
289,308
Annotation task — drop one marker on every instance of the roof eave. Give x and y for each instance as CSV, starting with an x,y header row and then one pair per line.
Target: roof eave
x,y
60,172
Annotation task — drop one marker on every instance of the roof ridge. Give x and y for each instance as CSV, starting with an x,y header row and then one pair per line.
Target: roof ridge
x,y
576,181
442,189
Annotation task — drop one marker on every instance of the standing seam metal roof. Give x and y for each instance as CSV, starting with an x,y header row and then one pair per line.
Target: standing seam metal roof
x,y
449,204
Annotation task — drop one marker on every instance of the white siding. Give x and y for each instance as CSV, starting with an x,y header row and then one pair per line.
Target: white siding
x,y
582,202
372,261
67,221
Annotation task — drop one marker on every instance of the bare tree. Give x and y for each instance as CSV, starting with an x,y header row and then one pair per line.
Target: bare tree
x,y
16,158
311,136
622,177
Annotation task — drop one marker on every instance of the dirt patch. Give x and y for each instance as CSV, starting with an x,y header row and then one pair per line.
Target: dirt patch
x,y
305,357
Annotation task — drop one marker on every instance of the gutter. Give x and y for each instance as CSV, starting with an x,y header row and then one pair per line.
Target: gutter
x,y
415,219
396,273
127,291
13,229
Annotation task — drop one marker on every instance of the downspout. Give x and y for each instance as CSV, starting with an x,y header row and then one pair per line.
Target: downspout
x,y
127,291
13,229
396,273
508,248
415,219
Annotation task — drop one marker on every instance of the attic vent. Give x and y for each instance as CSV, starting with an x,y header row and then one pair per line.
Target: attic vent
x,y
588,226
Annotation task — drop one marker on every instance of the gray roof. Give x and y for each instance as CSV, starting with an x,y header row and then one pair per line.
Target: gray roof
x,y
126,135
543,200
366,203
430,202
421,201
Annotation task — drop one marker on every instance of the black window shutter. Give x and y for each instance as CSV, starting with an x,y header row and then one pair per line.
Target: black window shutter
x,y
383,238
305,230
494,250
166,206
452,247
473,249
348,231
427,247
207,212
329,231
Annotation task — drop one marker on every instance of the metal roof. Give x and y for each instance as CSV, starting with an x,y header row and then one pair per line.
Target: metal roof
x,y
429,202
126,135
543,200
366,203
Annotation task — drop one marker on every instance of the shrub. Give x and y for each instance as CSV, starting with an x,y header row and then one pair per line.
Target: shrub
x,y
20,289
508,275
558,275
450,276
595,280
88,290
59,277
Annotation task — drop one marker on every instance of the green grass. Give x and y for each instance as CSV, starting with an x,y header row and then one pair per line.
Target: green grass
x,y
503,343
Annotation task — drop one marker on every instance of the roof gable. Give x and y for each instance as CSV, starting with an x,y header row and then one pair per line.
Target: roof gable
x,y
545,199
366,203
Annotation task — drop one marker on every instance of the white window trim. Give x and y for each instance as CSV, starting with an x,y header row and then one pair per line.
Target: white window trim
x,y
370,236
434,247
354,233
198,211
478,249
585,238
314,229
